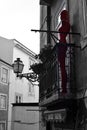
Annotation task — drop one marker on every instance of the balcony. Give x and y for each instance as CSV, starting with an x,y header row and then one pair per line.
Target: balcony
x,y
50,79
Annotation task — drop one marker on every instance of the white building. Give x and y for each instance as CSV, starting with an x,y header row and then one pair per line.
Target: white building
x,y
25,116
20,90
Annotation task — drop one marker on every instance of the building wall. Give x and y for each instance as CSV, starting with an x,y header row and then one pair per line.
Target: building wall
x,y
25,118
4,94
6,50
77,22
10,49
21,86
27,59
77,25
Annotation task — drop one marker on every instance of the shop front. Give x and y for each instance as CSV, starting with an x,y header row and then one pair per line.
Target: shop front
x,y
61,119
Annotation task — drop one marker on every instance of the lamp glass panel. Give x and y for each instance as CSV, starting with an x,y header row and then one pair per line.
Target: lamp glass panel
x,y
15,67
20,68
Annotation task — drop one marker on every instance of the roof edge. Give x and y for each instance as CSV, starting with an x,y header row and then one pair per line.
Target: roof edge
x,y
25,104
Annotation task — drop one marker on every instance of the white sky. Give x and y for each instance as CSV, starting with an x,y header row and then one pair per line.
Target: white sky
x,y
17,18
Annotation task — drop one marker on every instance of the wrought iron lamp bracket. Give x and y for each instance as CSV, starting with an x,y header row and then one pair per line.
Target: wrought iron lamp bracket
x,y
18,68
32,77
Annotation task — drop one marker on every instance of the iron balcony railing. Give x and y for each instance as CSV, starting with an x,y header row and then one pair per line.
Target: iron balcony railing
x,y
50,80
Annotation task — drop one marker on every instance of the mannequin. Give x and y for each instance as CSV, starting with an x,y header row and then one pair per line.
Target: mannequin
x,y
65,27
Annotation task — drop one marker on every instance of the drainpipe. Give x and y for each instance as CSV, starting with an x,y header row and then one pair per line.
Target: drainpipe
x,y
48,23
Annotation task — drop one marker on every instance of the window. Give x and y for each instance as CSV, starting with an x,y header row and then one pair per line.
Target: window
x,y
83,21
4,75
58,23
18,98
57,17
31,89
85,16
3,102
2,125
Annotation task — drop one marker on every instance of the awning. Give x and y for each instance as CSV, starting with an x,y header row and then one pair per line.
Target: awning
x,y
56,115
45,2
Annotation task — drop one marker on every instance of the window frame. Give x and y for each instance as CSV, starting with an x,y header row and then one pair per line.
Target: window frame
x,y
63,6
84,5
83,21
57,16
4,122
31,86
18,95
1,94
7,77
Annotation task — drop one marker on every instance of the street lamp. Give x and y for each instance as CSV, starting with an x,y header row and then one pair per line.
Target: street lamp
x,y
18,68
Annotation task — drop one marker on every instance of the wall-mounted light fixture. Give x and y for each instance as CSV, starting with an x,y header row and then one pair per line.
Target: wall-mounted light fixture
x,y
18,68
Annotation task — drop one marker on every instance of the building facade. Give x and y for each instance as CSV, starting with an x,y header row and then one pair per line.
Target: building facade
x,y
5,67
22,90
60,111
4,93
13,89
29,119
